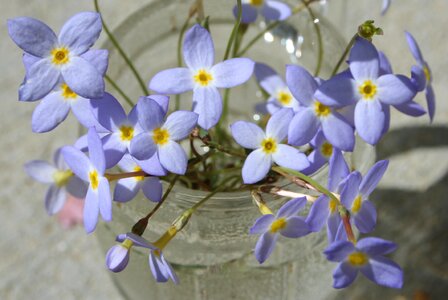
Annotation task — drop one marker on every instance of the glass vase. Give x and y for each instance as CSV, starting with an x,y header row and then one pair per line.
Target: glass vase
x,y
213,255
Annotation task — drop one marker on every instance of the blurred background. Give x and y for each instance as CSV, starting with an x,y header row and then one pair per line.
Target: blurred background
x,y
40,259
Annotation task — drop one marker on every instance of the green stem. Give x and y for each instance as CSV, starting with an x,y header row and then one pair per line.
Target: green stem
x,y
308,179
119,90
123,55
234,30
257,37
344,55
319,39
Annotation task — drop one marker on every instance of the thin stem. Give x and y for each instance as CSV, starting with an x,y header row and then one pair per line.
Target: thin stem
x,y
234,30
344,55
119,90
122,53
319,39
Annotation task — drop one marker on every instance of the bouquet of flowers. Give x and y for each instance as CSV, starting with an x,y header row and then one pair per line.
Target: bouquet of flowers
x,y
308,122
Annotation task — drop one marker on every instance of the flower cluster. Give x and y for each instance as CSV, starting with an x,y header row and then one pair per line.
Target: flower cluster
x,y
309,122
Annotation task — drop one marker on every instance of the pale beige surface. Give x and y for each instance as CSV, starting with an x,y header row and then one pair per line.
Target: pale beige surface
x,y
39,260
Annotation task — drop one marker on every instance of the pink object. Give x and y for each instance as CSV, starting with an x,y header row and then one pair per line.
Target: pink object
x,y
72,212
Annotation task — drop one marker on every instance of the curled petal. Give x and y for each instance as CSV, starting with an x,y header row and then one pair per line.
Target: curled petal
x,y
232,72
208,105
364,60
365,219
180,123
42,78
172,81
117,258
277,126
374,246
83,78
303,127
418,78
295,227
395,89
338,170
431,102
373,177
344,275
339,250
126,189
81,31
301,84
351,189
338,132
411,108
262,224
77,162
291,208
105,201
173,158
318,213
256,166
247,135
384,271
49,113
91,210
96,152
290,157
55,199
157,268
415,49
32,36
265,245
198,48
370,120
169,270
40,171
152,189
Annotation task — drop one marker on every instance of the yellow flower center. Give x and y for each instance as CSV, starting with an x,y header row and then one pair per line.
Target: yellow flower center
x,y
62,177
138,178
160,136
358,259
326,149
127,244
357,203
367,89
277,225
269,145
67,92
203,77
427,74
256,2
93,178
321,110
59,56
333,205
126,133
284,97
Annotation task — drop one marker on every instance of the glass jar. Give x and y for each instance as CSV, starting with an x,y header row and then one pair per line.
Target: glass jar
x,y
213,255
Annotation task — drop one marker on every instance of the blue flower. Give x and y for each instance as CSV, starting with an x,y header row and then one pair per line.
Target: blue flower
x,y
127,188
160,137
273,84
323,150
422,76
366,257
369,90
60,179
355,193
60,58
315,113
91,170
202,76
268,147
269,9
325,210
117,257
285,222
